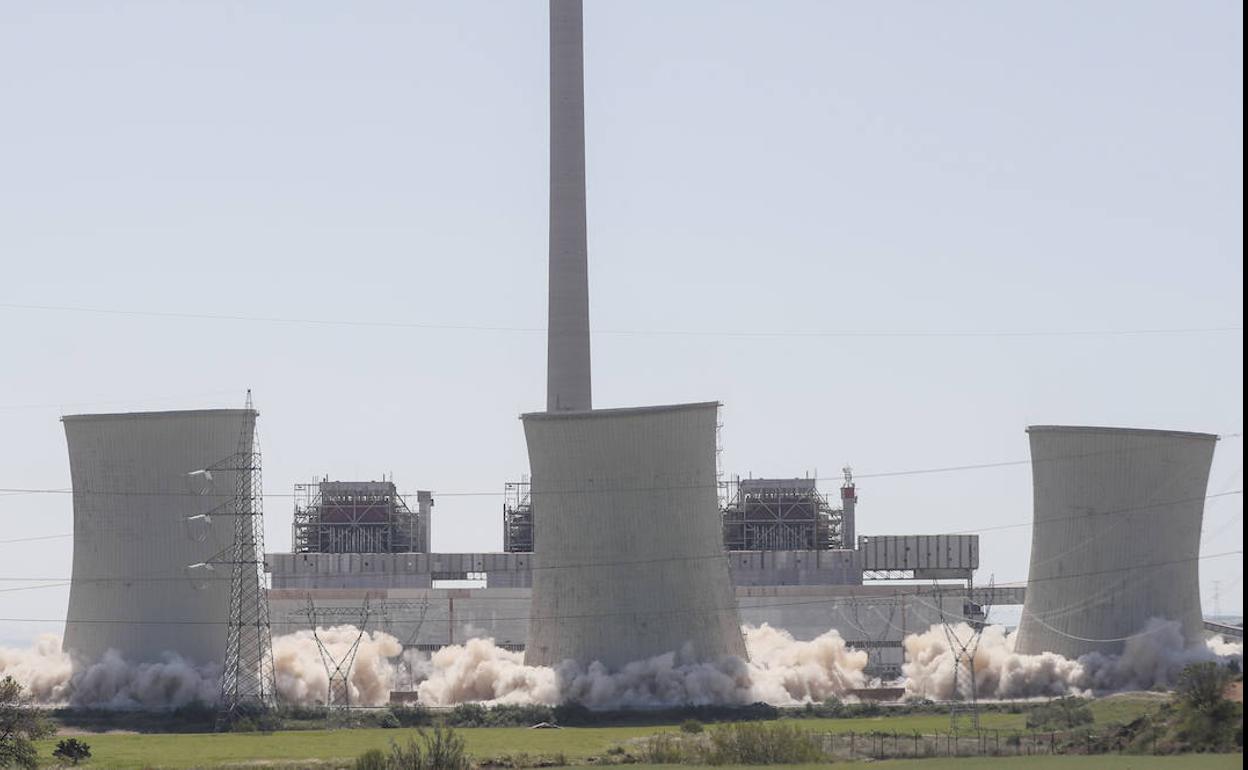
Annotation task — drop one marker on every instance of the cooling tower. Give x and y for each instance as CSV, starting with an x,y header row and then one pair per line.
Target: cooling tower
x,y
631,552
1115,535
140,495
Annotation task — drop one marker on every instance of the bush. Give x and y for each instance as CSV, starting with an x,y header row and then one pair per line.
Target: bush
x,y
1060,714
1201,685
468,715
665,749
411,716
440,749
692,726
751,743
514,715
373,759
389,721
72,750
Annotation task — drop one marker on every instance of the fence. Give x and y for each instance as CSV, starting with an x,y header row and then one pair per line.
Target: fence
x,y
898,745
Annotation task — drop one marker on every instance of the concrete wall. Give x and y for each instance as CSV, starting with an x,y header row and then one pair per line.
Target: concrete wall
x,y
132,589
631,553
1115,535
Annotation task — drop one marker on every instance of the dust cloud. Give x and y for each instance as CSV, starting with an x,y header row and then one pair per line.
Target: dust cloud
x,y
781,670
1150,659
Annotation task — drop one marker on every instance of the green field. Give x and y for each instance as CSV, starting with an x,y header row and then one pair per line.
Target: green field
x,y
1108,762
188,750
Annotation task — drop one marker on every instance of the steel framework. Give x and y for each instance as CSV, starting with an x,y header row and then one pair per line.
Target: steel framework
x,y
517,517
247,679
780,515
338,669
963,648
359,517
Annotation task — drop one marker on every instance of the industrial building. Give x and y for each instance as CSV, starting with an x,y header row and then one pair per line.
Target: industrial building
x,y
1115,535
359,517
153,521
786,514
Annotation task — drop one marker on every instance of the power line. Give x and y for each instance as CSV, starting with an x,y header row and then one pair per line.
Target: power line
x,y
833,333
733,608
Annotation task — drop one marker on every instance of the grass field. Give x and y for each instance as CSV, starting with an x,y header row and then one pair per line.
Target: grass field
x,y
1105,762
189,750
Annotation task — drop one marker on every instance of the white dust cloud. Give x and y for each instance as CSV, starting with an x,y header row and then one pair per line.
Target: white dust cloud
x,y
1153,658
50,677
301,674
781,671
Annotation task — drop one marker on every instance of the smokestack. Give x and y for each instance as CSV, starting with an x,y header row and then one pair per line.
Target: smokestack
x,y
567,341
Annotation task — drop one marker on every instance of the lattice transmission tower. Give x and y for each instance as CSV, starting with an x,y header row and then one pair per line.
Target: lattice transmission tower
x,y
338,667
247,682
963,647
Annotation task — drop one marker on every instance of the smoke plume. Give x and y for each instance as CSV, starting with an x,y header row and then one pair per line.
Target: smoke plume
x,y
1152,658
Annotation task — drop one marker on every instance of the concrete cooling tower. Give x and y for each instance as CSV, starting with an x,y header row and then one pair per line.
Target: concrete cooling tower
x,y
631,552
144,530
1115,536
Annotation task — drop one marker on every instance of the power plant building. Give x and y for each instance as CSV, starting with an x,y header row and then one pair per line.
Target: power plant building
x,y
359,517
152,494
1115,537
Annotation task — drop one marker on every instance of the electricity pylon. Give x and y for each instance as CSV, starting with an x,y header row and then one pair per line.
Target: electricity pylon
x,y
247,681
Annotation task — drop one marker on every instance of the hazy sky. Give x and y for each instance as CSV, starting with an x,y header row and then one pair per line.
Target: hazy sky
x,y
765,166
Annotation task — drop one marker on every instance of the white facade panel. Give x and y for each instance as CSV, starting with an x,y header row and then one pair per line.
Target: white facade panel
x,y
135,539
1115,535
631,554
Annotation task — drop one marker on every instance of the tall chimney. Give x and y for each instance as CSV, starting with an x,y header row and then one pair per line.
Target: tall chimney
x,y
567,341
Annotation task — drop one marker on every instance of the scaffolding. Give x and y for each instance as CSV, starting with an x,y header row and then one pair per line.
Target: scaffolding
x,y
783,515
517,517
359,517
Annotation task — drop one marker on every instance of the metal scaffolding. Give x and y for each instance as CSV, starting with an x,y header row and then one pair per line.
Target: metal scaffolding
x,y
517,518
359,517
783,515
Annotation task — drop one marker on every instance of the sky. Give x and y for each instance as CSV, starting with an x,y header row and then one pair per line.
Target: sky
x,y
342,206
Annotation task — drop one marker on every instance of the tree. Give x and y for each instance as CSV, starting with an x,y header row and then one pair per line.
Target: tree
x,y
1201,685
21,725
72,750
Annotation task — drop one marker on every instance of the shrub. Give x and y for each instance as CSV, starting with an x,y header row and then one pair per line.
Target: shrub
x,y
664,749
468,715
373,759
517,715
389,721
440,749
411,716
72,750
1201,685
692,726
751,743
